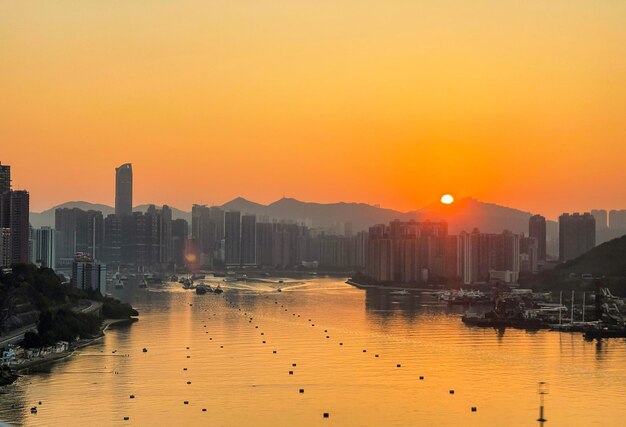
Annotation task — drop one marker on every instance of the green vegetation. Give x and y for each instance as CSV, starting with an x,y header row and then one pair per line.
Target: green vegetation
x,y
606,261
62,325
31,295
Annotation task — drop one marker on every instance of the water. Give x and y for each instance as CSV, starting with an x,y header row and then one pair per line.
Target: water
x,y
245,383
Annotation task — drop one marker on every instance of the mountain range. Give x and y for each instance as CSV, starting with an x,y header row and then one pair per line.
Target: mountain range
x,y
463,214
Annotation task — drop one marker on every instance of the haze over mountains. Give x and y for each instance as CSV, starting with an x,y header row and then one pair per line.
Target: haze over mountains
x,y
463,214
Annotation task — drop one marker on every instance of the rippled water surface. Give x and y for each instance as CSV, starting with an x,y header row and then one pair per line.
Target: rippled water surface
x,y
235,375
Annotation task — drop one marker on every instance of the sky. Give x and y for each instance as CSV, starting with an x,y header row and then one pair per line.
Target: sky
x,y
520,103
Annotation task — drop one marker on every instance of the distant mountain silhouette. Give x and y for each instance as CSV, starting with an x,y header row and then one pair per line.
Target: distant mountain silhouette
x,y
463,214
46,218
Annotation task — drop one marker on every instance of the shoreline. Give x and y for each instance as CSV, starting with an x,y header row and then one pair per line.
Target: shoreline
x,y
358,285
27,367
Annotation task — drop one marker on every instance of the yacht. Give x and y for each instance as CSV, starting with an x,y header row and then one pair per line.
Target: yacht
x,y
119,284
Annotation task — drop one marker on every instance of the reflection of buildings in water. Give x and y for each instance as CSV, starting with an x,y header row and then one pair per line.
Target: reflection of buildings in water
x,y
13,405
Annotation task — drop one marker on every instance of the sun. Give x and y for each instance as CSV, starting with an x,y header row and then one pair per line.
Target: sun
x,y
447,199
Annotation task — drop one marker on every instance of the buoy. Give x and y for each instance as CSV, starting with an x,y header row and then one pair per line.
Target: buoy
x,y
263,342
274,351
326,415
132,396
398,365
145,350
301,390
293,364
221,346
203,409
188,382
340,343
451,391
262,333
188,357
473,409
421,377
187,348
40,402
364,351
184,369
126,418
290,372
186,402
327,336
375,355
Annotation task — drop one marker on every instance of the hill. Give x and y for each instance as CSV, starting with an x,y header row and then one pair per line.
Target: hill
x,y
464,214
606,261
46,218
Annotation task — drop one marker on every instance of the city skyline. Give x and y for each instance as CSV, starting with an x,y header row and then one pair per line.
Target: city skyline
x,y
516,104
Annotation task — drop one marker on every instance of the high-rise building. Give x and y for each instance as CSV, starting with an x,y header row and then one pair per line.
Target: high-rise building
x,y
14,211
180,234
44,247
577,235
5,247
88,274
112,248
78,231
617,222
124,190
537,230
232,237
5,178
248,240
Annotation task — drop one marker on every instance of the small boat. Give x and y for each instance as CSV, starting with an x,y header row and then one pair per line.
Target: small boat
x,y
119,284
33,410
143,284
218,289
279,290
201,290
402,292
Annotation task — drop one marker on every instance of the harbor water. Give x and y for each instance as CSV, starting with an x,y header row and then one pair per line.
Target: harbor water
x,y
255,356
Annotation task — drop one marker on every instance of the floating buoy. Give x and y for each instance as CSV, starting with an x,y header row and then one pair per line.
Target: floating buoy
x,y
327,336
132,396
375,355
145,350
421,377
186,402
398,365
126,418
263,342
293,364
262,333
473,409
184,369
326,415
340,343
40,402
187,348
274,351
364,351
301,390
451,391
188,357
290,372
221,346
203,409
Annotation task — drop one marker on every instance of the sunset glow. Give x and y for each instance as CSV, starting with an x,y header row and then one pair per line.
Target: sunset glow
x,y
184,90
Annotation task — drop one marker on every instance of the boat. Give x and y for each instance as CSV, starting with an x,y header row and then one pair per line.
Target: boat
x,y
401,292
201,290
143,284
463,297
279,290
119,284
218,289
605,333
187,283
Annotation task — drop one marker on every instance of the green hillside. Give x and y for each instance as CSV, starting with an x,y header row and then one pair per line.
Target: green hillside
x,y
606,262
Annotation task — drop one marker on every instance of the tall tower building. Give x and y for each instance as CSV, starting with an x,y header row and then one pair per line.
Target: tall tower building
x,y
577,235
124,190
537,229
44,246
232,237
14,209
248,240
5,178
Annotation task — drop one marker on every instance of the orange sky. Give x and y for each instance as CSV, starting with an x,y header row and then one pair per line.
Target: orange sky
x,y
517,103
